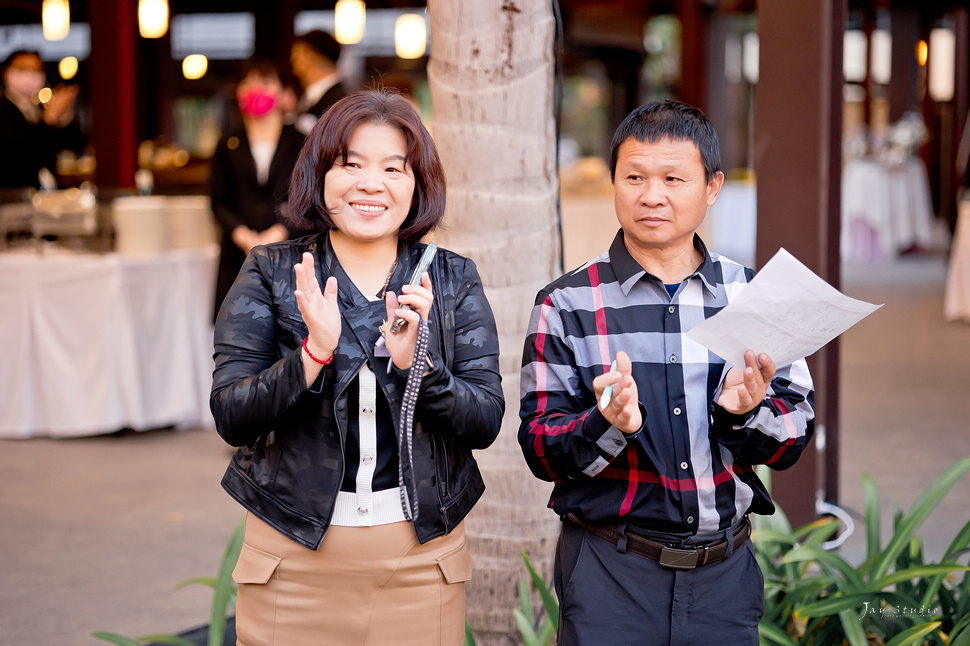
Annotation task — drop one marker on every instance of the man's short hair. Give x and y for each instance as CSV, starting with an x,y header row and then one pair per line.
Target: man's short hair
x,y
669,120
322,43
327,144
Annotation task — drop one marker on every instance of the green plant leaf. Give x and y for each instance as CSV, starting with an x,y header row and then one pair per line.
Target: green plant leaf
x,y
529,637
873,516
911,521
774,635
208,581
835,604
914,572
115,638
826,558
225,585
852,626
960,637
546,632
548,600
469,635
913,636
525,601
175,640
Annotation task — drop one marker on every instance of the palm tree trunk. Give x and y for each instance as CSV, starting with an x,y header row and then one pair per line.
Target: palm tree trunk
x,y
491,75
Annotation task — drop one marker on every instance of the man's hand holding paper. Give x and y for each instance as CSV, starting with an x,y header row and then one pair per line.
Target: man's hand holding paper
x,y
786,312
744,388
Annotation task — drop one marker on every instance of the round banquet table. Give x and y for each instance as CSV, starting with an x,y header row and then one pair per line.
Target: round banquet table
x,y
94,344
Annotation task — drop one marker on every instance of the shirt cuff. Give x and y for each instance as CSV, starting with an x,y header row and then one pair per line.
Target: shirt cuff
x,y
721,417
610,440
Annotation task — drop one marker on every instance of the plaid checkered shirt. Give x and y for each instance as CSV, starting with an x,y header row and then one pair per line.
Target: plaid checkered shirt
x,y
689,469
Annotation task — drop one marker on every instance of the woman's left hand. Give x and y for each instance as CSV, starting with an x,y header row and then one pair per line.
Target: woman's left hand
x,y
419,297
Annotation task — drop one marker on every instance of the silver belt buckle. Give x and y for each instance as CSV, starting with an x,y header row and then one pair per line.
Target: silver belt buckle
x,y
677,559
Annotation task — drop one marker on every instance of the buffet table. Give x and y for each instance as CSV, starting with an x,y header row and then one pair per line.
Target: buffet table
x,y
98,343
886,209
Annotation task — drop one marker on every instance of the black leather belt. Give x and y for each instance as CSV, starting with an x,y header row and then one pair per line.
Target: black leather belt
x,y
671,557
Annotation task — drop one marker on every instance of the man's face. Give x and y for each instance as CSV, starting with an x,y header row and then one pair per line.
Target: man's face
x,y
299,60
661,195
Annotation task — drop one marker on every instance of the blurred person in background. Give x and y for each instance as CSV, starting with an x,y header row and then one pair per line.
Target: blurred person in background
x,y
355,438
313,58
31,132
251,169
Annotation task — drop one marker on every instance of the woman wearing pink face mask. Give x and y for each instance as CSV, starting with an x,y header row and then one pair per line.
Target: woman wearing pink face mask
x,y
31,134
251,170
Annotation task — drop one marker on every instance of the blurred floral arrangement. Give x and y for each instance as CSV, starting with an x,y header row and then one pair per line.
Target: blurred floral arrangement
x,y
904,137
900,140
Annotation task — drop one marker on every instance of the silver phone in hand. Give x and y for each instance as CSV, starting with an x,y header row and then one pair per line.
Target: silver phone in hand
x,y
422,267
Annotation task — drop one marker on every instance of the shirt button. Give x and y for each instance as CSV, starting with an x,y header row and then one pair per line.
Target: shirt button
x,y
671,309
368,458
363,511
677,411
690,520
673,358
367,410
683,465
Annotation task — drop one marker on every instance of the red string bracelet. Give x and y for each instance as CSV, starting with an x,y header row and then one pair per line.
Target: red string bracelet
x,y
311,354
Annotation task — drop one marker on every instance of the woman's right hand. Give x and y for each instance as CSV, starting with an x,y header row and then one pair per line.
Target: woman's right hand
x,y
320,311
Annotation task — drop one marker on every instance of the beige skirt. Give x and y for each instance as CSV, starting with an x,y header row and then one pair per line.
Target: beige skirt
x,y
365,585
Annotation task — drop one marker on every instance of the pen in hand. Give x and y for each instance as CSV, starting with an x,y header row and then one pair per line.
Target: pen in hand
x,y
608,391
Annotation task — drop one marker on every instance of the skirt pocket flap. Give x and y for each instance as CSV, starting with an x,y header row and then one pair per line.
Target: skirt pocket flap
x,y
457,566
254,566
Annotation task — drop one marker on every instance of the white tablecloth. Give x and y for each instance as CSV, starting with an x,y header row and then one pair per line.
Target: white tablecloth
x,y
97,343
733,222
886,209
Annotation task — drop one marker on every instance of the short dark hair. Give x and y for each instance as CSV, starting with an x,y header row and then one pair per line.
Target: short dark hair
x,y
669,120
261,67
8,61
322,43
327,143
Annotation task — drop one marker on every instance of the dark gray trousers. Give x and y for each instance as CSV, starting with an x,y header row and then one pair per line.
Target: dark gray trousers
x,y
609,597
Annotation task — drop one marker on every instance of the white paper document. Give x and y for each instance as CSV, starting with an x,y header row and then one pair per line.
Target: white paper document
x,y
786,311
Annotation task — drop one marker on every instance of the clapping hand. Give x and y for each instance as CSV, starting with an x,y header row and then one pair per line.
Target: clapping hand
x,y
623,408
320,311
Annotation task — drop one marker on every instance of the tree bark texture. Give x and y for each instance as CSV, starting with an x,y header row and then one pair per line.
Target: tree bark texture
x,y
491,80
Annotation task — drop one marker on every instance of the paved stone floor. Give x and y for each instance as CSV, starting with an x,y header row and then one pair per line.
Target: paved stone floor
x,y
95,533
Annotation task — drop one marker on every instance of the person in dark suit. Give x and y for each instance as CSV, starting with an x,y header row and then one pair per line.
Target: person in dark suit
x,y
32,133
313,58
251,169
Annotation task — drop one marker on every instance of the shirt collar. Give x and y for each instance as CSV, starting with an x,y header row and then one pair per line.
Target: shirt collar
x,y
315,91
628,271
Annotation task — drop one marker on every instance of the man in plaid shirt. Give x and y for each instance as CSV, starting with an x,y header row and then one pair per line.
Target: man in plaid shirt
x,y
654,479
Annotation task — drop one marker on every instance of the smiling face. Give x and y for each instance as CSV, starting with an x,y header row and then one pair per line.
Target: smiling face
x,y
369,196
661,195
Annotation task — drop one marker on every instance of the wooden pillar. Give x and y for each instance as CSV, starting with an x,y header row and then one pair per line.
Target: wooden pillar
x,y
906,83
274,32
114,30
798,124
693,55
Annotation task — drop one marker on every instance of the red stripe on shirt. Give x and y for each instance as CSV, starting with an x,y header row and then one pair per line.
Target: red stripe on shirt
x,y
604,343
631,487
635,476
782,406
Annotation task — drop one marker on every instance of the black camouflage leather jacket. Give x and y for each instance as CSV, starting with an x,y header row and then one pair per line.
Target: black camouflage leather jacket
x,y
290,461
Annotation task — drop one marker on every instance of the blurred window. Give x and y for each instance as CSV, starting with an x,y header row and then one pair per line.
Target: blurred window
x,y
31,37
225,36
